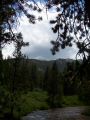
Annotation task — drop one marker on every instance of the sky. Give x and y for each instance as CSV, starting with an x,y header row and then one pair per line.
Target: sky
x,y
39,36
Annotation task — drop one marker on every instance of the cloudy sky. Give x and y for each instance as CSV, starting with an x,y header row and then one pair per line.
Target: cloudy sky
x,y
39,36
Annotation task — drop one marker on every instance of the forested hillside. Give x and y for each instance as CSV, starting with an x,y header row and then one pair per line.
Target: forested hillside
x,y
27,85
43,64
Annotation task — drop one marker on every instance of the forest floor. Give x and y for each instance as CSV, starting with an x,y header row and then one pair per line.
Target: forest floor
x,y
66,113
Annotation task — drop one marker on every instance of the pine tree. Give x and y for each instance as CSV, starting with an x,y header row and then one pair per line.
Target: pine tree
x,y
33,77
54,87
46,79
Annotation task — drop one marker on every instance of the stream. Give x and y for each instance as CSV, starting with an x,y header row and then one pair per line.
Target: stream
x,y
68,113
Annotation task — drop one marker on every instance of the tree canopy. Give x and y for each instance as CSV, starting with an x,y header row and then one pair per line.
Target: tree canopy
x,y
10,11
72,25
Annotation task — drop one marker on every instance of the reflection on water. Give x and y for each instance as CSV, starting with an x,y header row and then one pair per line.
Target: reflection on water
x,y
69,113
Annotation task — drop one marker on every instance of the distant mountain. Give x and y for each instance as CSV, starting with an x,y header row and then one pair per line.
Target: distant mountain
x,y
43,64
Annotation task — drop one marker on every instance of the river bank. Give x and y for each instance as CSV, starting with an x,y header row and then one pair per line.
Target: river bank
x,y
67,113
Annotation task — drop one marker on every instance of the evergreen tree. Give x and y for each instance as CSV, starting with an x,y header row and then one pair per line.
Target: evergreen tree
x,y
46,79
84,93
13,86
33,77
54,90
40,77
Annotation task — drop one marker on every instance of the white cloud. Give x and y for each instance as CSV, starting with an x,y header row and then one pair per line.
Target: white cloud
x,y
8,50
39,36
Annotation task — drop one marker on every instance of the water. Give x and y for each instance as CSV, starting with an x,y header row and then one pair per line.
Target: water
x,y
68,113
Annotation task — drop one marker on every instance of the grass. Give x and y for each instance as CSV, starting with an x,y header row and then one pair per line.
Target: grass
x,y
71,101
31,101
25,103
37,100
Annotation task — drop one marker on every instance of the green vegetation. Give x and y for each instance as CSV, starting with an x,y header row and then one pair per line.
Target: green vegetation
x,y
24,88
37,100
55,91
16,75
25,103
72,101
33,101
